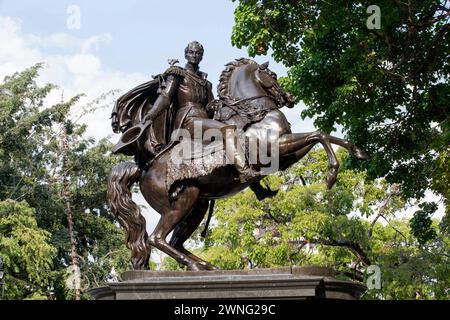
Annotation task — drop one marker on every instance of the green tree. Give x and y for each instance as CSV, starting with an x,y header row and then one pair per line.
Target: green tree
x,y
26,251
306,224
276,231
36,167
410,270
388,88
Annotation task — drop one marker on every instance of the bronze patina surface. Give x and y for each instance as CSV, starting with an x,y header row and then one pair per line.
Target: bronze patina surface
x,y
156,117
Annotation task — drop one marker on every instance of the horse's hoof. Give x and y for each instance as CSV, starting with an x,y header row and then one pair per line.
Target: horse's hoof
x,y
212,267
196,267
360,154
208,266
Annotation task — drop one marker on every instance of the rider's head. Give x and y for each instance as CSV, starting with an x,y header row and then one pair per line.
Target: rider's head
x,y
194,52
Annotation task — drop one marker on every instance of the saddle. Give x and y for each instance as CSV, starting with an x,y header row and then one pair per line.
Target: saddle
x,y
196,150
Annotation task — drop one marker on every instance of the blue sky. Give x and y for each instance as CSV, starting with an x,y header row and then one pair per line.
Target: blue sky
x,y
144,33
119,44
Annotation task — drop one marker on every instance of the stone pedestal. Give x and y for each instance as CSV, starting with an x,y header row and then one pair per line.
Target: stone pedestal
x,y
280,283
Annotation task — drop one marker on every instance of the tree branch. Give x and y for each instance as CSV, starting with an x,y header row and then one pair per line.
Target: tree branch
x,y
398,231
353,246
395,191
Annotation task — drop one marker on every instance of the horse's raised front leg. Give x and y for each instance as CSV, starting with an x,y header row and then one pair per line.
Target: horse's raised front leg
x,y
292,158
351,147
294,142
288,160
170,218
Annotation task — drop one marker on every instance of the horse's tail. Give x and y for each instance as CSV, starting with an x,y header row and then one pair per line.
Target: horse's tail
x,y
127,212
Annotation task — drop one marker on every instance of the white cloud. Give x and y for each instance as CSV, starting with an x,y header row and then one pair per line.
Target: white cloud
x,y
95,42
76,68
55,40
84,64
14,53
68,42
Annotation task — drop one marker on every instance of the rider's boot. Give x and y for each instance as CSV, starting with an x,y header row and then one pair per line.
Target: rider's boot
x,y
261,192
236,154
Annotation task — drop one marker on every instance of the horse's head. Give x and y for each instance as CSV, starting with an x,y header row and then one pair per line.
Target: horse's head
x,y
269,82
244,79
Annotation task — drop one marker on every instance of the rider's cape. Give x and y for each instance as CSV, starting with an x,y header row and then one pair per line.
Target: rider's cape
x,y
130,109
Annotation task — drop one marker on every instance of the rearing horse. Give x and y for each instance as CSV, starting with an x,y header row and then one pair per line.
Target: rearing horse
x,y
250,98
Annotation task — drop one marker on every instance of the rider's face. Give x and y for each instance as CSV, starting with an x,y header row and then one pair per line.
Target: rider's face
x,y
194,55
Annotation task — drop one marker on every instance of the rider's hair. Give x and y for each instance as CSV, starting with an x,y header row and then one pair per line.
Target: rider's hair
x,y
192,44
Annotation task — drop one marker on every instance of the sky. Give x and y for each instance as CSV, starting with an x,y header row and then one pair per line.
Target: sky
x,y
118,45
95,46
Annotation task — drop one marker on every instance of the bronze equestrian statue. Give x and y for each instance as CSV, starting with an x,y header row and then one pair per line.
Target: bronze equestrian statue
x,y
158,120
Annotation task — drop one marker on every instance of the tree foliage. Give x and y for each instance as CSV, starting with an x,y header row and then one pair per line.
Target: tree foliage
x,y
26,251
348,228
31,170
388,88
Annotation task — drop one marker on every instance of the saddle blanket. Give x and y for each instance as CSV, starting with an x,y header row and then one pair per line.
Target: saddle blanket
x,y
194,159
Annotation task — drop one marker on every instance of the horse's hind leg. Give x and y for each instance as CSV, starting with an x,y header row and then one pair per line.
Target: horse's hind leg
x,y
186,228
170,217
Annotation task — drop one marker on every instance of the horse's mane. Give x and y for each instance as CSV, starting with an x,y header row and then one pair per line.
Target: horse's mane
x,y
223,90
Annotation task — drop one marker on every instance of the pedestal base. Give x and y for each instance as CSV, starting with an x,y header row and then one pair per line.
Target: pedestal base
x,y
280,283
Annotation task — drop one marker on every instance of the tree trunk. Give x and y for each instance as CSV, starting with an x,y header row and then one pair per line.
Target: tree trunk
x,y
68,209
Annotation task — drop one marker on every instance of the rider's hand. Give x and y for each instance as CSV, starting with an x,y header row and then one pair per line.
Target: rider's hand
x,y
147,119
211,108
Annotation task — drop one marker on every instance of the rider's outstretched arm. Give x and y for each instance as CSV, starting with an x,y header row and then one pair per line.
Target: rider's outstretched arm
x,y
165,98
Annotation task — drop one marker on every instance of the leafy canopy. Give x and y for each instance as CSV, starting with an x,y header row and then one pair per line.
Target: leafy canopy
x,y
348,228
31,171
26,251
388,88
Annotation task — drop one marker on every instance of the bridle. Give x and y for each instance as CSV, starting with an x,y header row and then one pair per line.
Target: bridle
x,y
276,95
254,98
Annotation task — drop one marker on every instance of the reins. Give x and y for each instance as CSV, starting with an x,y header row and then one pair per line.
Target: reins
x,y
252,98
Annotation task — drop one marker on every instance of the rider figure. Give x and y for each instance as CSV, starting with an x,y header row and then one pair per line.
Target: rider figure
x,y
188,91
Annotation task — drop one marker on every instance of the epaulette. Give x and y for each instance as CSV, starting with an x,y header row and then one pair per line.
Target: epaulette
x,y
175,70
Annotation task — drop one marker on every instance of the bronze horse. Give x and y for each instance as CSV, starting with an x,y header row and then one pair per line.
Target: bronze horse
x,y
245,88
